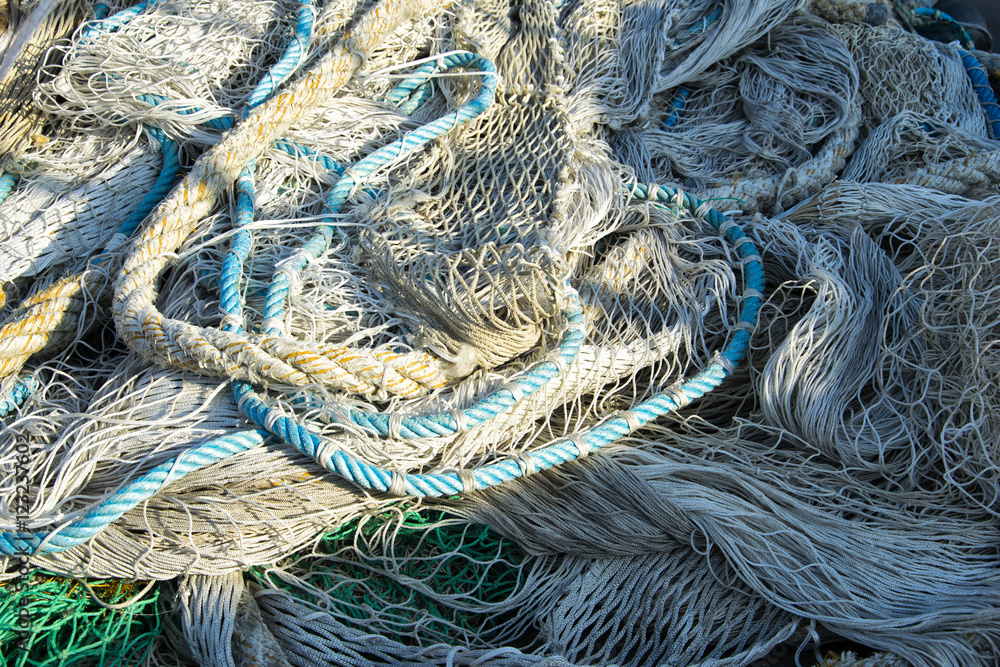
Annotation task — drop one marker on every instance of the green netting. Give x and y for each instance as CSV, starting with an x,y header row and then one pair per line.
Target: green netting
x,y
70,627
416,577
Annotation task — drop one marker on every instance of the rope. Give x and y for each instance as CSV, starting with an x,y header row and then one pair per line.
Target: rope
x,y
928,15
290,61
981,85
676,107
104,514
7,183
17,394
560,451
261,357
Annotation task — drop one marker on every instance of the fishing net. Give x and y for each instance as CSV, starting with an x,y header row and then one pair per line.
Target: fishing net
x,y
500,333
77,622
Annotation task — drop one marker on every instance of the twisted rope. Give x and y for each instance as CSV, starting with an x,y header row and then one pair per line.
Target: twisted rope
x,y
17,394
230,353
981,85
110,510
562,450
7,183
47,320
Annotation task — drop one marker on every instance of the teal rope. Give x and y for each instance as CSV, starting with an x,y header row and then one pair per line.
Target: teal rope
x,y
17,394
103,515
290,61
7,183
562,450
169,172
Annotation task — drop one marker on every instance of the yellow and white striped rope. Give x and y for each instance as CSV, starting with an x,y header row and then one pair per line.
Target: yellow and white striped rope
x,y
49,319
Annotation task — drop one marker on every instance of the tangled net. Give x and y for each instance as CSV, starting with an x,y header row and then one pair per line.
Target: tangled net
x,y
498,333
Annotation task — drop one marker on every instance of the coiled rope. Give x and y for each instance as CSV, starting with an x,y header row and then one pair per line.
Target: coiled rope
x,y
368,476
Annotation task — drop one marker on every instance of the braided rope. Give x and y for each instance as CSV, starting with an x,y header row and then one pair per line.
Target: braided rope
x,y
562,450
110,510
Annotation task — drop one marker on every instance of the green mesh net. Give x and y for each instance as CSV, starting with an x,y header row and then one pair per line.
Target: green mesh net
x,y
71,626
415,577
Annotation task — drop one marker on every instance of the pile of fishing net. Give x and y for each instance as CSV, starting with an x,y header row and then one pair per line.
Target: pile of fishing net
x,y
496,332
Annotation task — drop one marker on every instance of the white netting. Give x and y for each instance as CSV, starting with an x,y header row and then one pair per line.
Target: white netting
x,y
73,206
365,282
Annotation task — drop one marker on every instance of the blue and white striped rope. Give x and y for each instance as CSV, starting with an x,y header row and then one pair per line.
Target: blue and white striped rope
x,y
981,85
104,514
447,483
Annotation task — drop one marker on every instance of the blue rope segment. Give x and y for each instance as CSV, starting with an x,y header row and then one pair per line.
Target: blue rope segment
x,y
298,150
416,89
230,301
17,394
164,182
503,400
981,85
293,57
110,510
928,15
277,292
7,183
677,104
116,21
562,450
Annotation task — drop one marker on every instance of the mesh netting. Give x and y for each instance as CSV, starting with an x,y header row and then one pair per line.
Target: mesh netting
x,y
498,333
79,622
